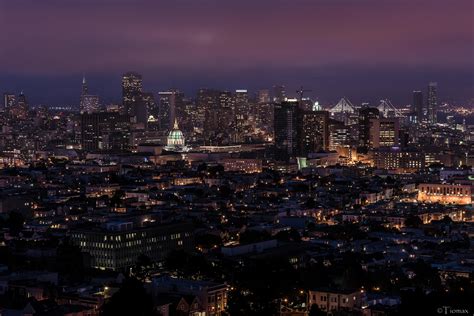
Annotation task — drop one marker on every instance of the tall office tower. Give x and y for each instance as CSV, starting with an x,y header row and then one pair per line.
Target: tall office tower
x,y
9,100
105,131
285,124
263,96
241,103
20,109
365,125
279,94
149,101
84,86
384,132
206,108
225,114
313,131
432,104
339,135
241,116
418,105
131,92
169,102
89,103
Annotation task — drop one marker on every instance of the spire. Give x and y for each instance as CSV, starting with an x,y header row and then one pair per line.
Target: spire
x,y
84,85
175,126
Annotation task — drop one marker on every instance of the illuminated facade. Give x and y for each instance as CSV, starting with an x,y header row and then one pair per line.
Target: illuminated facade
x,y
118,245
313,131
445,193
395,158
242,165
432,105
131,91
384,132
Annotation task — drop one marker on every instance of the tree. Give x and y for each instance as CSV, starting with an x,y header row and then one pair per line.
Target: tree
x,y
130,299
15,222
315,311
413,221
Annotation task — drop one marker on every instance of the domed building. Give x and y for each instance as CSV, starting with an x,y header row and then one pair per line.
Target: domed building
x,y
175,140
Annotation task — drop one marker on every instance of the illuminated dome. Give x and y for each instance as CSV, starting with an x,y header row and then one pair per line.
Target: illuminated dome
x,y
175,137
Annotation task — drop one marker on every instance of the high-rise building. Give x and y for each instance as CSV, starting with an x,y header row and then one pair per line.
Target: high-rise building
x,y
432,102
418,105
89,103
339,135
207,100
131,92
169,101
263,96
20,108
313,131
285,129
366,115
279,93
105,131
384,132
9,100
149,101
241,116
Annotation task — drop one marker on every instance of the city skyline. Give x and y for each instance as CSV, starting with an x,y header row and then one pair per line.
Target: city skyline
x,y
364,51
224,158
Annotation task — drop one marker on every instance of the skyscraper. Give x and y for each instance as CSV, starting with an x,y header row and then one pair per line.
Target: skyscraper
x,y
418,105
285,129
384,132
365,125
105,131
313,131
432,102
9,100
131,92
20,108
263,96
169,101
89,103
279,93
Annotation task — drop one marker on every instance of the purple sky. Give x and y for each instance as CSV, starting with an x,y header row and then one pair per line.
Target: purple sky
x,y
362,49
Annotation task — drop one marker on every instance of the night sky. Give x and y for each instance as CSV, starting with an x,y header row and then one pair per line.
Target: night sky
x,y
365,50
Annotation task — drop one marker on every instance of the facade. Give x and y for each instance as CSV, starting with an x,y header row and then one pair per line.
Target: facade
x,y
89,103
445,193
242,165
169,101
285,129
366,116
19,109
118,245
334,301
279,94
132,89
339,135
105,131
9,100
384,132
263,96
175,140
432,105
403,160
418,105
313,131
212,295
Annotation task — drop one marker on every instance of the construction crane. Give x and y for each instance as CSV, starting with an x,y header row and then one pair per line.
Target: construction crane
x,y
301,91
